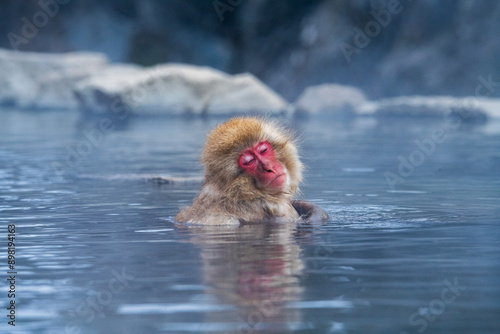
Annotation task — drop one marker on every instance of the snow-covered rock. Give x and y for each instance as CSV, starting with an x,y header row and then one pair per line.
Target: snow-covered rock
x,y
329,99
470,109
88,82
31,80
244,93
175,89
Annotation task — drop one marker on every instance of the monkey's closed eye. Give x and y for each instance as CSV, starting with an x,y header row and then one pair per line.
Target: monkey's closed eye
x,y
247,159
263,148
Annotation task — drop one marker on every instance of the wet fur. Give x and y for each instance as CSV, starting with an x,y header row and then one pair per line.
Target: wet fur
x,y
229,196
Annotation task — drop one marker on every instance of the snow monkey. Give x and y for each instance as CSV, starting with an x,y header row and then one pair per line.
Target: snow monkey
x,y
252,170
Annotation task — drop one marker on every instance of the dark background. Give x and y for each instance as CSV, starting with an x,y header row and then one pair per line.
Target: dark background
x,y
430,47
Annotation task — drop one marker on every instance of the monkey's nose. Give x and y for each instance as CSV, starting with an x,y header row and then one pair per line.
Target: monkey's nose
x,y
268,168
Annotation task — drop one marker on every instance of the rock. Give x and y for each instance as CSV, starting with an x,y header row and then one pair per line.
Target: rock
x,y
329,98
44,81
87,81
242,94
490,106
111,88
175,89
470,109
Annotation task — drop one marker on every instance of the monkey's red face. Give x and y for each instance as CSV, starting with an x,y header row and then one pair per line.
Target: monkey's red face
x,y
260,162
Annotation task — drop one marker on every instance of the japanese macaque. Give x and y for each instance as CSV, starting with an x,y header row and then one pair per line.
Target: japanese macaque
x,y
252,170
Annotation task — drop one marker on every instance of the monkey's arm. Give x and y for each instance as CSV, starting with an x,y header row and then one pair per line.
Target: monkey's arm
x,y
310,212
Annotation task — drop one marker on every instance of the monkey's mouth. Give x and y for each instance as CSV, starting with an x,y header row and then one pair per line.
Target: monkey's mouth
x,y
278,182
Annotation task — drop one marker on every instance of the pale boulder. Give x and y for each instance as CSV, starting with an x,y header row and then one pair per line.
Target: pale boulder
x,y
244,93
175,89
329,99
469,109
30,80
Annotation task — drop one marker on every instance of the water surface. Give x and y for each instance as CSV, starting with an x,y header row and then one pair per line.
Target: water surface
x,y
98,251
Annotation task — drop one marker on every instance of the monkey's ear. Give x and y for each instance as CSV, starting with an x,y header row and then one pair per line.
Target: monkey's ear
x,y
310,213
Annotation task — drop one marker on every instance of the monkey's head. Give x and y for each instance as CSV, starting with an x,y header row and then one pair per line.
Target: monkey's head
x,y
251,158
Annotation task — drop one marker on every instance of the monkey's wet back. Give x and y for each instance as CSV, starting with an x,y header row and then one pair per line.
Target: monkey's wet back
x,y
411,245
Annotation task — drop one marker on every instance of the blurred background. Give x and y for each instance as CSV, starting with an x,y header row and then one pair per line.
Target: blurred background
x,y
288,44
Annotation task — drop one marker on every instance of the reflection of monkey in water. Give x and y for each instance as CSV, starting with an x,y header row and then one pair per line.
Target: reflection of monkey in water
x,y
252,170
256,268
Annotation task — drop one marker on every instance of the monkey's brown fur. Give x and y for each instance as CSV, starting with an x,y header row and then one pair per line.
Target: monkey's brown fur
x,y
230,196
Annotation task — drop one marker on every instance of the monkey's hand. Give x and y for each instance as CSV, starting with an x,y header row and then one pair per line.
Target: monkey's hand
x,y
310,212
